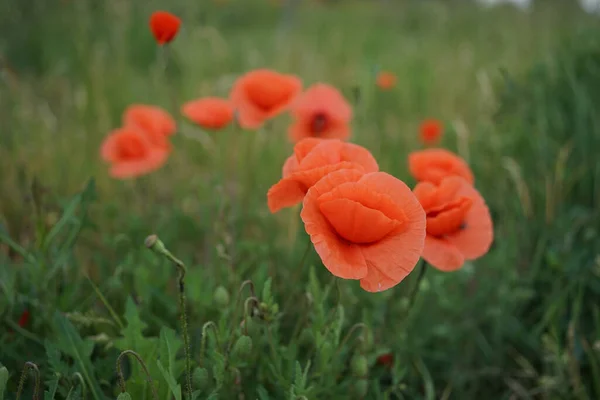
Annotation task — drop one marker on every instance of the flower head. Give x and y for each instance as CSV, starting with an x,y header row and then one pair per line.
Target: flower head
x,y
311,161
164,26
322,112
433,165
131,153
153,121
368,227
386,80
263,94
459,225
431,131
209,112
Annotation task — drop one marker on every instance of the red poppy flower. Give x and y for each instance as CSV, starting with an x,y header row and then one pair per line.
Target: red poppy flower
x,y
431,131
155,122
24,319
369,227
313,159
386,359
131,153
209,112
433,165
164,26
263,94
386,80
321,111
459,225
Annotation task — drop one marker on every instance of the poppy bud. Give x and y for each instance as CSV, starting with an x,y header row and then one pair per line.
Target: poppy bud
x,y
263,307
221,297
242,347
361,388
124,396
201,378
359,365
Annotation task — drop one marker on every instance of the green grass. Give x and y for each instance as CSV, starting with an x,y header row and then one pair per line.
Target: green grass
x,y
518,94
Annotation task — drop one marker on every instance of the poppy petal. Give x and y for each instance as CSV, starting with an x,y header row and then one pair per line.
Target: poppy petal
x,y
442,254
478,234
291,189
341,258
394,257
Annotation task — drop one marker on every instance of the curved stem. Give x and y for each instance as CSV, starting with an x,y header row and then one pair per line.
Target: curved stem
x,y
36,389
246,303
236,309
209,324
155,244
121,378
360,325
82,383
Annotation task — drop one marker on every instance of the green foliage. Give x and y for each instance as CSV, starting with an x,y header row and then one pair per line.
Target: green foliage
x,y
521,322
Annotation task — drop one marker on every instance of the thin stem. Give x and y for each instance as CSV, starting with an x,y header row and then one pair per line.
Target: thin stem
x,y
36,389
121,378
415,290
246,303
298,270
360,325
209,324
237,303
155,244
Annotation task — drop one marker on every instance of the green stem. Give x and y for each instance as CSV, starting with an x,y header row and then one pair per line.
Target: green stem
x,y
121,378
155,244
299,270
36,390
415,290
209,324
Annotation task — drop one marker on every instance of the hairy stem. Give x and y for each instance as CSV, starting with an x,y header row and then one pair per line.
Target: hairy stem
x,y
121,378
36,389
154,243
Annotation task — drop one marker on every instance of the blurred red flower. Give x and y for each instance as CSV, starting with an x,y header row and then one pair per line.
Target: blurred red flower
x,y
431,131
322,112
386,80
209,112
164,26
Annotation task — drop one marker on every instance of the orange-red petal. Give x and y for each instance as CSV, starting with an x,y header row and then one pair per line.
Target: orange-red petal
x,y
442,254
340,257
209,112
433,165
393,258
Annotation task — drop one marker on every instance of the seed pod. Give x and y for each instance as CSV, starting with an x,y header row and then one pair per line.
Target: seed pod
x,y
242,347
201,378
221,297
361,388
124,396
359,365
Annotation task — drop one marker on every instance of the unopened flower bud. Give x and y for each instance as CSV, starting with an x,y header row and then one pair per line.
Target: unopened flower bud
x,y
359,365
221,297
201,378
242,347
124,396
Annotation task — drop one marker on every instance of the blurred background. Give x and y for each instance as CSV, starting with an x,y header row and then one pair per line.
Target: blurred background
x,y
516,85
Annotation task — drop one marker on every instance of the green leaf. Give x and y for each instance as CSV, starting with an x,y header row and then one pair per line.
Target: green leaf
x,y
70,343
3,380
266,293
132,338
53,385
173,385
54,359
262,393
169,345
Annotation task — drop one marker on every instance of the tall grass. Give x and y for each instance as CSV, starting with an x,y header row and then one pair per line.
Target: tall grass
x,y
518,94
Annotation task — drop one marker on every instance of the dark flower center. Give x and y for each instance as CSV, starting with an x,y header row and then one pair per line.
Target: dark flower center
x,y
319,123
